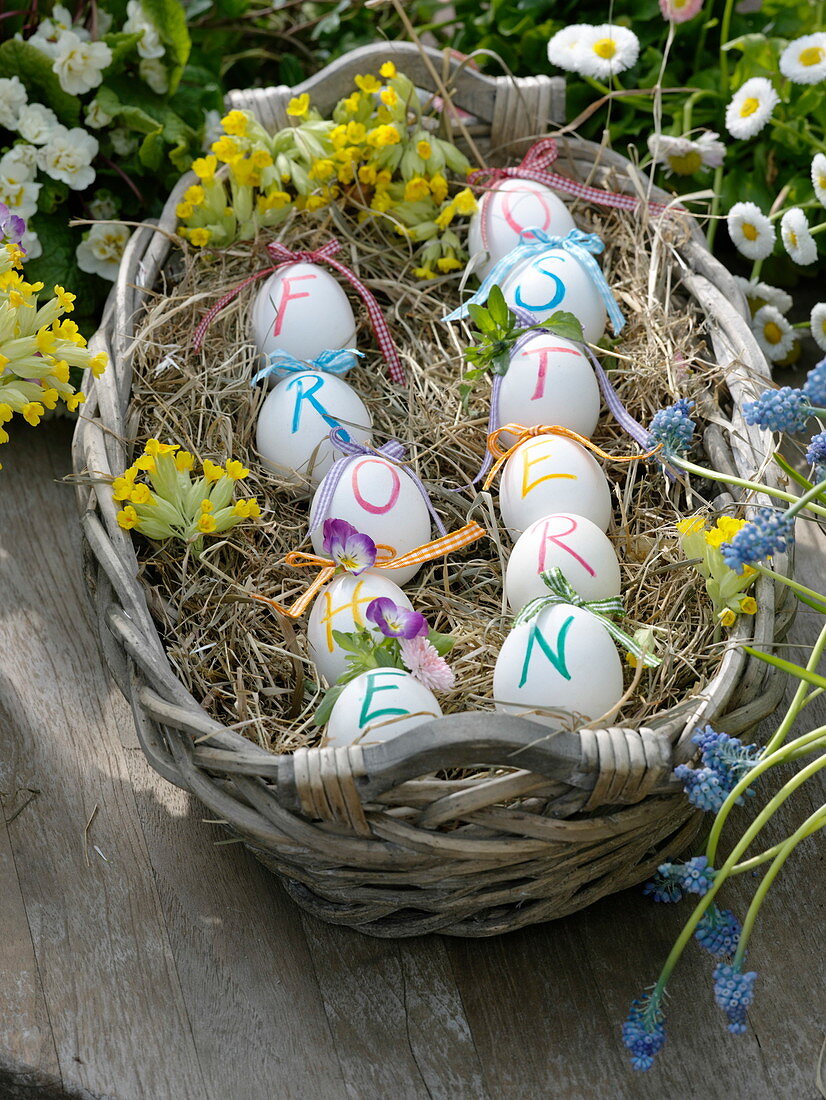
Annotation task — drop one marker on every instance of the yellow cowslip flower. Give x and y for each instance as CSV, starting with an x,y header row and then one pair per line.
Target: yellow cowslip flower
x,y
66,300
195,195
322,169
32,411
368,84
235,123
184,210
236,470
6,412
212,471
207,524
68,330
448,263
247,509
122,488
127,518
730,526
45,340
381,202
206,506
715,537
261,158
383,135
72,400
444,219
424,149
465,202
356,133
141,493
146,463
367,174
416,189
352,102
98,363
48,398
338,136
225,149
315,202
690,525
424,273
205,168
299,105
184,461
748,605
727,617
275,200
154,447
346,173
388,70
60,370
243,172
200,237
389,97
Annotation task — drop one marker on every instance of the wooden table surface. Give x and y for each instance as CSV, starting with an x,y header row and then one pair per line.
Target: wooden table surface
x,y
144,958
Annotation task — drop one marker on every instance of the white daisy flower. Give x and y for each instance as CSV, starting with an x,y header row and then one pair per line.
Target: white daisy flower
x,y
79,65
751,107
101,252
761,294
773,333
13,99
684,156
37,123
20,162
818,324
804,60
819,177
68,157
563,47
750,230
155,74
606,50
138,22
797,238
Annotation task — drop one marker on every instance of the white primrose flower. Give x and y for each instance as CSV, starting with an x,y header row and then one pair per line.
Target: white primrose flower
x,y
103,206
819,177
137,22
100,253
751,107
818,325
761,294
37,123
122,141
20,162
19,194
804,60
563,47
96,117
155,74
684,156
606,50
773,333
797,238
750,230
68,157
79,65
31,242
13,98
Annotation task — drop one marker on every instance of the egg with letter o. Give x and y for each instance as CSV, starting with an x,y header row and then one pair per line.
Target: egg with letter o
x,y
574,545
508,208
378,705
563,659
549,473
294,424
556,280
341,605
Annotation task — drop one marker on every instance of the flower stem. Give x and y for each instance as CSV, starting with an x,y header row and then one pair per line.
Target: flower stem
x,y
730,479
795,586
800,698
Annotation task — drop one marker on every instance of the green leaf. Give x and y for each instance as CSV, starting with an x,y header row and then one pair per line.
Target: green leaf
x,y
802,481
170,19
122,47
322,714
797,671
151,151
442,643
565,325
498,307
35,71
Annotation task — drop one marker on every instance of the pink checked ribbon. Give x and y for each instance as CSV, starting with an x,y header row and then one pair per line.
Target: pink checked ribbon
x,y
282,255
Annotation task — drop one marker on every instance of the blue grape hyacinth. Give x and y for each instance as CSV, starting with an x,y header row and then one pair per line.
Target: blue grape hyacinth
x,y
783,410
718,932
673,429
643,1032
725,760
767,533
816,455
734,992
814,387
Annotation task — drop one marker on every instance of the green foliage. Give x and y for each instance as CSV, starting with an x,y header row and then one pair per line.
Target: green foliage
x,y
34,69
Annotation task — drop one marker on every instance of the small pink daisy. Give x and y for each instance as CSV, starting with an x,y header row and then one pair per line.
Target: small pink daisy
x,y
680,11
426,665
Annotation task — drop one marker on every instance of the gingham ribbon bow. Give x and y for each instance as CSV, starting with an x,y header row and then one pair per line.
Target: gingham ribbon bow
x,y
393,451
281,363
282,255
560,592
533,242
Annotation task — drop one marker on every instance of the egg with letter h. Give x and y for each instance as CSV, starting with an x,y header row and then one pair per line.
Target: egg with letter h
x,y
380,704
508,208
556,280
561,660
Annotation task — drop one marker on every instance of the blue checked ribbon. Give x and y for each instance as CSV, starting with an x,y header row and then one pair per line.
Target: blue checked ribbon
x,y
560,592
533,242
393,451
281,363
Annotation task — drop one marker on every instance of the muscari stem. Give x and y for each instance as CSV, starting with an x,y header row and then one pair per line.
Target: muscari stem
x,y
799,699
795,586
730,479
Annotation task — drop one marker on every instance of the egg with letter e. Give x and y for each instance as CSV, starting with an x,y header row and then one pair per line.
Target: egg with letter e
x,y
549,473
585,555
507,209
381,500
378,705
341,605
549,381
563,659
555,280
294,424
301,309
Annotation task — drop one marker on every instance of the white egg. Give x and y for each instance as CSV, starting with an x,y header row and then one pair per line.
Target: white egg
x,y
294,424
378,705
301,309
341,605
555,280
549,381
562,660
505,211
381,500
573,544
550,473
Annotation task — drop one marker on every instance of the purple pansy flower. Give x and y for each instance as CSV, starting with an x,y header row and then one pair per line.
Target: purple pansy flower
x,y
348,548
395,622
12,227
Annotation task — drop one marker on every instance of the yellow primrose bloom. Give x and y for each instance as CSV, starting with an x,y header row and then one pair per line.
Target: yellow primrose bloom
x,y
212,471
184,461
465,202
6,412
338,136
122,488
236,470
260,158
390,98
352,102
68,330
299,105
226,149
448,263
32,411
415,189
727,617
446,217
49,398
195,195
200,237
322,169
74,399
45,340
127,518
206,506
275,200
356,132
367,174
141,493
247,509
424,273
748,605
438,188
368,84
60,370
205,168
690,525
424,149
98,363
146,463
207,524
383,135
65,299
388,70
381,202
315,202
184,210
235,123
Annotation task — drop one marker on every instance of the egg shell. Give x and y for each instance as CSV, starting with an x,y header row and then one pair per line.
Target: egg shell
x,y
555,280
550,473
380,499
562,660
378,705
549,380
301,309
507,209
573,544
294,424
342,606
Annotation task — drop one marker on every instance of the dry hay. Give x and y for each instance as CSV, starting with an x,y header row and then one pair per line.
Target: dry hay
x,y
246,663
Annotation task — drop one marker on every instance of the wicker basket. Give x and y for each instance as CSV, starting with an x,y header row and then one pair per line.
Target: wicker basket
x,y
372,836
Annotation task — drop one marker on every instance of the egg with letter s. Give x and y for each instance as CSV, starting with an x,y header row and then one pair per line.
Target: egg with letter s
x,y
341,605
378,705
301,309
294,424
574,545
549,473
508,208
380,499
564,660
556,280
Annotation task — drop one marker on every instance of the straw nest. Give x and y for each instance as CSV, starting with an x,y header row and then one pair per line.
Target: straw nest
x,y
248,664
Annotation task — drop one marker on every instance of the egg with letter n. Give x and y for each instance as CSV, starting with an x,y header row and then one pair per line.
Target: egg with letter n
x,y
302,310
380,704
563,659
549,473
508,208
556,280
293,431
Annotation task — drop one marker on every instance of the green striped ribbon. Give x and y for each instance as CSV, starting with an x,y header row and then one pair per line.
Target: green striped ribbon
x,y
560,592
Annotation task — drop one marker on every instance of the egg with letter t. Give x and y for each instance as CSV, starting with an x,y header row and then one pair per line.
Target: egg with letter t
x,y
508,208
556,280
378,705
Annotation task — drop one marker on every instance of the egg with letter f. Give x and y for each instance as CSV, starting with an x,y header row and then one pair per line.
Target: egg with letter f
x,y
564,660
301,309
556,280
378,705
507,209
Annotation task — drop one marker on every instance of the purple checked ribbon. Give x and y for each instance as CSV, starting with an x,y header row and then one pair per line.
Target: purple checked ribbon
x,y
393,451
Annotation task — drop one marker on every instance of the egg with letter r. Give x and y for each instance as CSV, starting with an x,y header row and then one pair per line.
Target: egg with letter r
x,y
508,208
380,704
556,280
